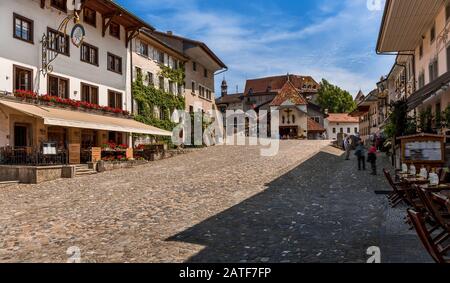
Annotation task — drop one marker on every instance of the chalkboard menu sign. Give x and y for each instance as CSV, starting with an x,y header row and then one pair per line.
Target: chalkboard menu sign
x,y
423,149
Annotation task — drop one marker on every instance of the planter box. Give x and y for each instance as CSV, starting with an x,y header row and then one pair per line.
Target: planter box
x,y
35,174
103,166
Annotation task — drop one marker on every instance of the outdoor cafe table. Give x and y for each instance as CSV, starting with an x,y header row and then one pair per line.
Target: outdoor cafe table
x,y
439,189
413,180
436,197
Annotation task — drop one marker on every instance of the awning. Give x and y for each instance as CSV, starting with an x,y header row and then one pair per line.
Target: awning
x,y
76,119
404,22
427,91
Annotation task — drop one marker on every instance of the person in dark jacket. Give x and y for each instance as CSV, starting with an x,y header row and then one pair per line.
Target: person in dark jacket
x,y
360,153
372,158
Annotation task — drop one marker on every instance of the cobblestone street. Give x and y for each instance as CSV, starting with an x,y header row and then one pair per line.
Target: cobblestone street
x,y
221,204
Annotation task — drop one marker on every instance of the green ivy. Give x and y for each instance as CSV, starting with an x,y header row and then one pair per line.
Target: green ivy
x,y
174,75
147,97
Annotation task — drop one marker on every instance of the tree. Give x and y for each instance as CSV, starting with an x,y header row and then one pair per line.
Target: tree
x,y
399,123
335,99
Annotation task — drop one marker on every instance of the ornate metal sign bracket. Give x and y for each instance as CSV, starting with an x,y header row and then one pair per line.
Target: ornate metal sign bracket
x,y
48,55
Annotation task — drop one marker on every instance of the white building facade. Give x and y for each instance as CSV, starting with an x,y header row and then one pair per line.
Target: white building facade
x,y
341,124
88,81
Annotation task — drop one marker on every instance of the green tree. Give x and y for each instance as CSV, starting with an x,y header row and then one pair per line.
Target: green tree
x,y
335,99
399,123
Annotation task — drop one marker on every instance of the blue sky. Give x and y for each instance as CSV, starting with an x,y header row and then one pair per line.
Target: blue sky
x,y
327,39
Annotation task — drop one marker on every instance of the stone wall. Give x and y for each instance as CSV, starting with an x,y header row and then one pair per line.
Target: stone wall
x,y
34,174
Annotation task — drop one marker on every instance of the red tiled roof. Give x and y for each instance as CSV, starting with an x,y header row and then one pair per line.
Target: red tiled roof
x,y
289,92
342,118
313,126
275,84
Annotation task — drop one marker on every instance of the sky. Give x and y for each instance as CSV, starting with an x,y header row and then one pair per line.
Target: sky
x,y
329,39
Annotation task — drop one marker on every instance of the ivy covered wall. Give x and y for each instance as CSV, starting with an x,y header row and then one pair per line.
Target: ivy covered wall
x,y
149,97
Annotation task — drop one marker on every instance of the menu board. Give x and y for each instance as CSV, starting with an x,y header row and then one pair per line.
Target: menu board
x,y
423,151
74,153
96,154
129,153
49,148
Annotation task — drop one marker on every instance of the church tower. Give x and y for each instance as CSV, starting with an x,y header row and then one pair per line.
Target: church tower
x,y
224,88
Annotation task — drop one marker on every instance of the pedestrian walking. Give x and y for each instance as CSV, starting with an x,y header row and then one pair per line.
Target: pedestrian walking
x,y
347,147
372,158
360,153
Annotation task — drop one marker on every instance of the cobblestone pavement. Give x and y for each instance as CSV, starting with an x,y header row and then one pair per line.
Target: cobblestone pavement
x,y
221,204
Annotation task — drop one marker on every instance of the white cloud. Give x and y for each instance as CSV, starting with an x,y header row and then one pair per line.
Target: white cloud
x,y
339,44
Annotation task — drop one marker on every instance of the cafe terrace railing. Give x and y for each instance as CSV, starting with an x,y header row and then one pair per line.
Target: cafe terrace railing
x,y
32,156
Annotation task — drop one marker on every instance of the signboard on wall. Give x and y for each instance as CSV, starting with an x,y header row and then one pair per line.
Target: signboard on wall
x,y
96,154
129,154
423,149
49,148
74,153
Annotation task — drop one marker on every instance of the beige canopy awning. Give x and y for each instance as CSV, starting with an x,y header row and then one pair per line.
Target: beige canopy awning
x,y
76,119
405,22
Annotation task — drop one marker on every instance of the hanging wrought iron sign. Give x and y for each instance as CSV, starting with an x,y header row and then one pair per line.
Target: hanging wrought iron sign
x,y
48,53
46,63
77,35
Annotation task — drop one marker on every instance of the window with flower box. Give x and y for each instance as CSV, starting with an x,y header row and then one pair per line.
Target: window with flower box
x,y
23,78
58,86
115,99
89,93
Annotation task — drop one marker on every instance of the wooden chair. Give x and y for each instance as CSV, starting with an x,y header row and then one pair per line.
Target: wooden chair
x,y
444,175
437,251
398,194
440,206
434,216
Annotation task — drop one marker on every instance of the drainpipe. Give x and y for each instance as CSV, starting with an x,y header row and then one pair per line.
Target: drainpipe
x,y
131,74
222,71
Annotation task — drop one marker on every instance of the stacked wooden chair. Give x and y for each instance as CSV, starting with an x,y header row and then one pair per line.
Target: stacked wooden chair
x,y
428,214
398,194
435,247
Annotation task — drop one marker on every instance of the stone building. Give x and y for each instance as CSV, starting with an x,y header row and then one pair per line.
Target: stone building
x,y
65,77
201,67
292,95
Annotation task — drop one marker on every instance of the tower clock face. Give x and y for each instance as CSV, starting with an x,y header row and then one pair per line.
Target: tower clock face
x,y
77,35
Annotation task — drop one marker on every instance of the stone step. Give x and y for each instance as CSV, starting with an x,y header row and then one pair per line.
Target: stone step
x,y
82,167
9,183
85,173
84,170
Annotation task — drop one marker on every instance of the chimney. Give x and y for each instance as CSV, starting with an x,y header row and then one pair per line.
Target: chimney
x,y
169,32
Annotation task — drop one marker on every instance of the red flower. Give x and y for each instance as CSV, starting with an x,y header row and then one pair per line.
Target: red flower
x,y
25,94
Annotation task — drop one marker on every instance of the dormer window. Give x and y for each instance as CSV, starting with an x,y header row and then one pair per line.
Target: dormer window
x,y
250,91
421,50
433,33
90,16
114,30
59,4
